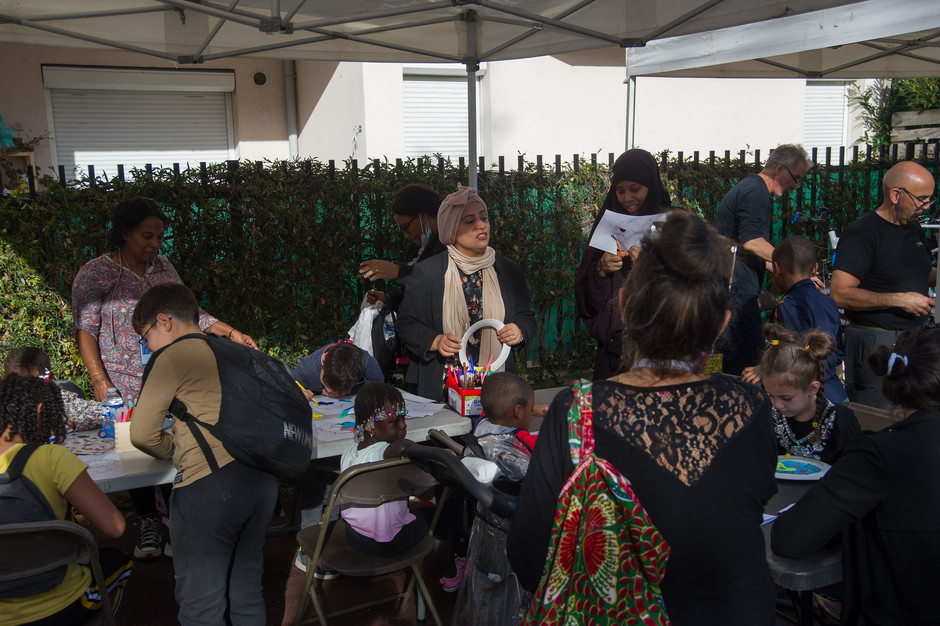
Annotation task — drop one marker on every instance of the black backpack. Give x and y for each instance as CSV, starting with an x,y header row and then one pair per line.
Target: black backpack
x,y
264,419
22,501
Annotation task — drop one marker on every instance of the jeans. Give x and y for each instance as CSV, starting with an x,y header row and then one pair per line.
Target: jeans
x,y
218,546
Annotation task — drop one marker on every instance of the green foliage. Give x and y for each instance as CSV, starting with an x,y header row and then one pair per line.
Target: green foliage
x,y
274,248
884,98
919,94
878,103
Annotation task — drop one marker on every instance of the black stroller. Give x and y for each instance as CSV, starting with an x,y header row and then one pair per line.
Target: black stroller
x,y
491,593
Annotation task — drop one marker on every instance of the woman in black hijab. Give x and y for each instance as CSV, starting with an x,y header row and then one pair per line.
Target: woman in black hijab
x,y
635,189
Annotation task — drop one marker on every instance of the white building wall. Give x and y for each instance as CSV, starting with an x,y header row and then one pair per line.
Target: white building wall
x,y
718,114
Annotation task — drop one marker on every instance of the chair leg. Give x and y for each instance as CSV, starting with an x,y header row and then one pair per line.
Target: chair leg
x,y
403,605
420,608
319,609
423,590
308,589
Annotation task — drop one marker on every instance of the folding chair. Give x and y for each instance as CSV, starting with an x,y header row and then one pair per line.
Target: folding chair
x,y
35,547
325,544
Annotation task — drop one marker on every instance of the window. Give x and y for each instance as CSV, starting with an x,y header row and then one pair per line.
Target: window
x,y
106,117
824,114
436,111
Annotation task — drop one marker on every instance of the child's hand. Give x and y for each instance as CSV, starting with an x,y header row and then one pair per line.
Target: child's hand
x,y
539,410
749,375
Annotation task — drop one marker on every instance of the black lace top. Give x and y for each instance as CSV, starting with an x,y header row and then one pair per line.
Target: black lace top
x,y
701,459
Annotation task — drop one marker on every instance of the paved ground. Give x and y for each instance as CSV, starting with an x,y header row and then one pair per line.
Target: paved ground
x,y
149,596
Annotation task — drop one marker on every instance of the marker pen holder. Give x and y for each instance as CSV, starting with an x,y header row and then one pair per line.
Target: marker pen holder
x,y
464,401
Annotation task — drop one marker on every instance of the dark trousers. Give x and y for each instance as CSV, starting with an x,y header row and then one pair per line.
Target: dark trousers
x,y
743,341
217,546
117,568
862,385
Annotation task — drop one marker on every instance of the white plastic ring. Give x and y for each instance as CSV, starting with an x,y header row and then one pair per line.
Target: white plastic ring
x,y
499,361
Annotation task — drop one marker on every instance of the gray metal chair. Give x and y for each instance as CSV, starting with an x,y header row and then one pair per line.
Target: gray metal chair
x,y
325,544
31,548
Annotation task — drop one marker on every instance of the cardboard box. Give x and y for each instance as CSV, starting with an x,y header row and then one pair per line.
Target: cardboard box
x,y
465,401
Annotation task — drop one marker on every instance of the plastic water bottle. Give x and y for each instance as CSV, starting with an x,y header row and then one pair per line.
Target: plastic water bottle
x,y
111,404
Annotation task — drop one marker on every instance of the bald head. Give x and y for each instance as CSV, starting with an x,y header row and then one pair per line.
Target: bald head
x,y
906,175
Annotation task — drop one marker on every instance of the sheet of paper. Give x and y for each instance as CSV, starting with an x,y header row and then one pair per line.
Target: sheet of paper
x,y
331,406
88,442
103,466
334,428
422,409
627,230
410,397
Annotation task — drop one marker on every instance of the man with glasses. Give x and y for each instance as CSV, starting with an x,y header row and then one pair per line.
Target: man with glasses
x,y
744,216
882,274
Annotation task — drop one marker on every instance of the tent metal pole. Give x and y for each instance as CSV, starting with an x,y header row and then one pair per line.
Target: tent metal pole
x,y
631,112
290,97
214,32
472,66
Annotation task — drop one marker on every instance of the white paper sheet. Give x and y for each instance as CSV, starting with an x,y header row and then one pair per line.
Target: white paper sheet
x,y
628,230
103,466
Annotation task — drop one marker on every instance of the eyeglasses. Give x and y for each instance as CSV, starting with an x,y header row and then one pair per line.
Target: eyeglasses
x,y
143,336
923,202
404,227
796,179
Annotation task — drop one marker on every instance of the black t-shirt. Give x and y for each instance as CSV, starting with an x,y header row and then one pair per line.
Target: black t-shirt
x,y
885,258
744,214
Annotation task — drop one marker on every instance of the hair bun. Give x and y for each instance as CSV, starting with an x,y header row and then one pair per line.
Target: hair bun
x,y
688,249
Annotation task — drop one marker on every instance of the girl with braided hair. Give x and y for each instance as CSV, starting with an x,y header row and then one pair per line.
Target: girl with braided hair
x,y
883,497
793,371
31,412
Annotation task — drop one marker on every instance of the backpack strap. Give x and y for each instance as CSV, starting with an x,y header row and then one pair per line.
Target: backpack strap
x,y
179,411
15,470
580,422
18,464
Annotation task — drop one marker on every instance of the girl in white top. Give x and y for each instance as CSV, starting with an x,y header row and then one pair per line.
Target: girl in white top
x,y
389,529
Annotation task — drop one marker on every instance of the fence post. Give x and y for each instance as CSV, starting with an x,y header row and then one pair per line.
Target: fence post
x,y
91,176
354,168
711,158
502,165
576,163
558,166
440,165
593,162
757,158
538,164
481,165
149,169
727,158
460,166
376,167
398,167
31,179
332,165
121,172
176,170
62,175
610,160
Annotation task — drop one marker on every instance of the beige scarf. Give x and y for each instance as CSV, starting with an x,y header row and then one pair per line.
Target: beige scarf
x,y
455,316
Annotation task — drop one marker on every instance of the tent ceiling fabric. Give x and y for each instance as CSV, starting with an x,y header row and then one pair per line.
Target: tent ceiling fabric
x,y
188,31
872,39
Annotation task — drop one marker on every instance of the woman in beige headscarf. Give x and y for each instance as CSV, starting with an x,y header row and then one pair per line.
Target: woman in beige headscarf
x,y
449,292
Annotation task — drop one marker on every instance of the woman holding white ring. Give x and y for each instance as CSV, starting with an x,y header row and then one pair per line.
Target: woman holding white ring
x,y
450,292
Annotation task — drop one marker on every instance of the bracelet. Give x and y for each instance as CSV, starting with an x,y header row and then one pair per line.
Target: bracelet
x,y
229,337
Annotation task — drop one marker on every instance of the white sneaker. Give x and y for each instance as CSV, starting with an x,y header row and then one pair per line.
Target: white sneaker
x,y
148,542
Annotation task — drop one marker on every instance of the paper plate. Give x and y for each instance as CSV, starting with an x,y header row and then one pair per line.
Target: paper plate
x,y
487,323
800,468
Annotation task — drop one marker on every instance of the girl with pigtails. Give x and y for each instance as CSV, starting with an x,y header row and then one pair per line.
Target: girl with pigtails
x,y
793,371
883,497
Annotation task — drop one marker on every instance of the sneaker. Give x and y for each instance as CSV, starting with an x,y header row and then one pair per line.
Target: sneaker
x,y
453,584
148,542
300,561
324,574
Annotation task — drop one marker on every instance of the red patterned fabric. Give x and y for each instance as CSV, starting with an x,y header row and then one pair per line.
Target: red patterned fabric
x,y
606,560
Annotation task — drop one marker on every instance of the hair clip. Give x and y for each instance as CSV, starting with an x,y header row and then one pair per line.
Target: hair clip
x,y
894,358
775,342
46,375
806,347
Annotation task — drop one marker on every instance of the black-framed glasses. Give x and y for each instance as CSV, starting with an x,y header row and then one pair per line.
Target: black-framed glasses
x,y
404,227
143,336
796,179
923,202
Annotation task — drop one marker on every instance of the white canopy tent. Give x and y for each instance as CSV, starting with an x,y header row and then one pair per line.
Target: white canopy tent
x,y
870,39
468,31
